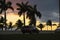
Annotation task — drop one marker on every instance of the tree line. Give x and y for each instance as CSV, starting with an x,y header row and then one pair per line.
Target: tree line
x,y
30,10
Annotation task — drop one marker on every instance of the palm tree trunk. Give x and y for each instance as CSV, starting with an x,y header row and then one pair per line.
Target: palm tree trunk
x,y
34,22
24,18
5,20
41,29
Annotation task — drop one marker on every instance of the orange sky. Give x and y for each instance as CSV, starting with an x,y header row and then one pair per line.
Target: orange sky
x,y
11,17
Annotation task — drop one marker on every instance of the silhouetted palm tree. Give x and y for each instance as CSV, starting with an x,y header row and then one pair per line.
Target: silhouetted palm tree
x,y
49,22
1,19
3,7
1,22
31,12
10,25
22,10
1,26
19,24
41,26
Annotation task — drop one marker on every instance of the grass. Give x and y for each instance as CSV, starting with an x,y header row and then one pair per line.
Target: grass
x,y
43,36
16,35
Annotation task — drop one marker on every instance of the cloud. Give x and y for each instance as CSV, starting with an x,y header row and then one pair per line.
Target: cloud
x,y
46,15
55,14
46,4
48,8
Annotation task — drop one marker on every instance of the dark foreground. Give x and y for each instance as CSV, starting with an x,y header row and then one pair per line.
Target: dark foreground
x,y
42,36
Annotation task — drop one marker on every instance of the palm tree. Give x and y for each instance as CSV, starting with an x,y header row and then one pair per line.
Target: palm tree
x,y
1,22
1,26
49,23
41,26
10,25
19,24
3,7
31,12
22,10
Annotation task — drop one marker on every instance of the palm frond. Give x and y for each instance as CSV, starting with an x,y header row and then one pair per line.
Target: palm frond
x,y
26,2
28,15
18,8
11,8
35,6
9,4
18,4
30,7
38,14
20,13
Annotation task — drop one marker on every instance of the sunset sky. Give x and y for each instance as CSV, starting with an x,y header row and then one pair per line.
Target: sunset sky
x,y
11,17
48,8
